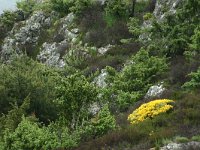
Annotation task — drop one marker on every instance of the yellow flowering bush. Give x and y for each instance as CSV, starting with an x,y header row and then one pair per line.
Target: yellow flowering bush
x,y
150,110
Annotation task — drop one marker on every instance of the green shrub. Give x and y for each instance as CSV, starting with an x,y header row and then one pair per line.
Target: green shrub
x,y
104,122
11,120
28,135
180,139
74,96
174,34
66,6
136,77
24,77
194,82
141,72
80,5
194,48
124,99
147,16
7,19
141,6
61,6
134,28
110,19
27,6
196,138
117,8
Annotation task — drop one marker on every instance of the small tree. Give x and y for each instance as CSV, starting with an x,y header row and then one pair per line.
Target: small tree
x,y
74,95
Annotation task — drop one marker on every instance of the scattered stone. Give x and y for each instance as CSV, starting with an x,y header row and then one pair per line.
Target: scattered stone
x,y
103,50
182,146
155,91
94,108
100,80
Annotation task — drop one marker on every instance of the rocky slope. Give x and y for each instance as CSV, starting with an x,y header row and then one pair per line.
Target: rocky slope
x,y
29,35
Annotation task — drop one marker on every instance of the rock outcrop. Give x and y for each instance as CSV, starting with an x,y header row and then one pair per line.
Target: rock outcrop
x,y
100,80
182,146
25,35
52,53
164,7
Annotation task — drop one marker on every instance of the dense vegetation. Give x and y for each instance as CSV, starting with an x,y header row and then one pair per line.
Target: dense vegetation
x,y
43,107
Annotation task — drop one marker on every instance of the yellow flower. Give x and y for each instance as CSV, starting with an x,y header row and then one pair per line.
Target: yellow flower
x,y
150,110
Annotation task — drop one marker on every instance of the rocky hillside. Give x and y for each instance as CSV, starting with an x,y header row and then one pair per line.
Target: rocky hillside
x,y
100,74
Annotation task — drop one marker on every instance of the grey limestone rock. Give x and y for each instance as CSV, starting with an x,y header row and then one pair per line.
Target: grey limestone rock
x,y
182,146
100,80
26,37
51,53
155,91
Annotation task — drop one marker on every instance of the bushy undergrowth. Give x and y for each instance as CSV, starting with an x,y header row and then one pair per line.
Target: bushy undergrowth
x,y
135,78
150,110
49,108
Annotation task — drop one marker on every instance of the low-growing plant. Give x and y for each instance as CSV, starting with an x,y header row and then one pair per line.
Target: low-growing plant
x,y
194,83
7,19
118,8
104,122
150,110
180,139
166,141
196,138
28,135
147,16
66,6
27,6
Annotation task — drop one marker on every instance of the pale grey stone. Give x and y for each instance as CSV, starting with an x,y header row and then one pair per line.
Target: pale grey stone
x,y
182,146
100,79
27,35
103,50
155,91
94,108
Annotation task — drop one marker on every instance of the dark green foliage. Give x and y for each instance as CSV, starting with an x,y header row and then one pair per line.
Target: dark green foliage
x,y
61,6
174,34
118,8
28,135
80,5
130,135
74,95
134,28
104,122
24,77
194,83
27,6
7,19
194,48
66,6
136,77
49,108
13,118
